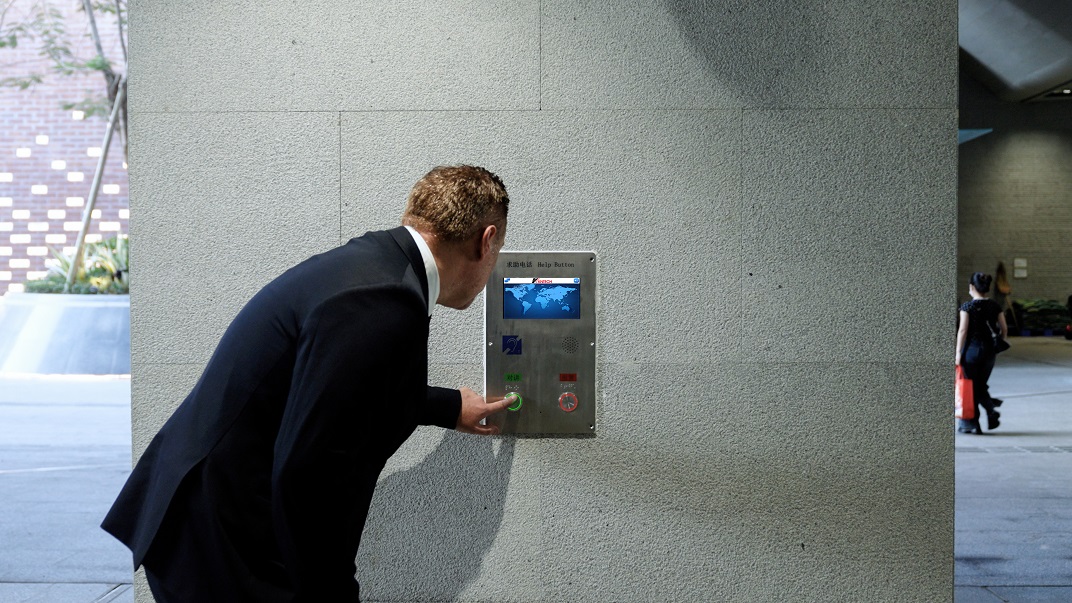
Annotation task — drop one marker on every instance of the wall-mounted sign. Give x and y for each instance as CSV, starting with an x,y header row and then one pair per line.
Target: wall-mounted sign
x,y
1019,268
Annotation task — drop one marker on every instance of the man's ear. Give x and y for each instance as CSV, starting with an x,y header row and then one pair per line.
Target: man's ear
x,y
487,240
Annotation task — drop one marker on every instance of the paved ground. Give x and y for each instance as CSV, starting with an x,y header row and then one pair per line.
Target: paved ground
x,y
1014,485
65,452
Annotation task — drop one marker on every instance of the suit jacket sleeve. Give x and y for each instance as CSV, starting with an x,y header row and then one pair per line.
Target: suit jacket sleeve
x,y
359,382
441,407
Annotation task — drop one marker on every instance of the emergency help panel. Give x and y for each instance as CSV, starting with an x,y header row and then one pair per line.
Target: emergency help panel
x,y
540,331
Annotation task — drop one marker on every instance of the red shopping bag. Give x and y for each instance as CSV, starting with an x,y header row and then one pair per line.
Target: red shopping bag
x,y
965,401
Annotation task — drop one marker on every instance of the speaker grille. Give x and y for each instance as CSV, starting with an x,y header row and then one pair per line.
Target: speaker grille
x,y
570,345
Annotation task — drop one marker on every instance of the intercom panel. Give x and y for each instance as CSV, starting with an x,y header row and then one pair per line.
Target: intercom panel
x,y
540,327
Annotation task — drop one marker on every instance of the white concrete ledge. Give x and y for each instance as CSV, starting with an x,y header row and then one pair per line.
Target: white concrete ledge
x,y
44,333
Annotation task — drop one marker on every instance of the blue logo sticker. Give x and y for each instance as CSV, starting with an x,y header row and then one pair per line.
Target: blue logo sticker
x,y
511,345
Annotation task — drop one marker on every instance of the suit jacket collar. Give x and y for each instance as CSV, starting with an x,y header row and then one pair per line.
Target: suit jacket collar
x,y
413,253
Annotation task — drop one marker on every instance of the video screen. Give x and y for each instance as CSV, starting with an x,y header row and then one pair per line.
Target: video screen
x,y
541,298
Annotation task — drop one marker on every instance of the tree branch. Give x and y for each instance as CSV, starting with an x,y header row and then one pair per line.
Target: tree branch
x,y
119,22
109,75
3,13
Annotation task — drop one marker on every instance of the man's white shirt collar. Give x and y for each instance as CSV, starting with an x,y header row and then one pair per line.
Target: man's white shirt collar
x,y
429,268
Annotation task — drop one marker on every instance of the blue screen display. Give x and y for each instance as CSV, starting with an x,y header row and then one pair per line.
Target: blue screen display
x,y
542,298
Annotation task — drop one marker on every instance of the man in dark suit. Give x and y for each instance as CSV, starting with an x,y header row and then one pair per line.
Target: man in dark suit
x,y
258,486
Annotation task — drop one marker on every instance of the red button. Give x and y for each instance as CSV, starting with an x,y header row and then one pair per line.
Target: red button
x,y
568,402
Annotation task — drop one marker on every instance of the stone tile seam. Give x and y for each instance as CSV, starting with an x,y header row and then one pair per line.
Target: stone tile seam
x,y
740,215
1015,449
572,110
115,592
1039,394
539,55
740,363
334,111
339,176
774,109
740,360
112,585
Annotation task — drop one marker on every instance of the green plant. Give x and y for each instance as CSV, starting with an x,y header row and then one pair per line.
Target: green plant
x,y
108,261
42,24
105,268
1041,314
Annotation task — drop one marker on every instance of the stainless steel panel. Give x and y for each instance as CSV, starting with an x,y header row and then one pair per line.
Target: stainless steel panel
x,y
549,361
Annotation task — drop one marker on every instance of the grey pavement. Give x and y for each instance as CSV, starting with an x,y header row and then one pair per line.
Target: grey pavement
x,y
64,454
1014,485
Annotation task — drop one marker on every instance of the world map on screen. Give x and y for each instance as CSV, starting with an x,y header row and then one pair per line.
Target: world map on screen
x,y
541,301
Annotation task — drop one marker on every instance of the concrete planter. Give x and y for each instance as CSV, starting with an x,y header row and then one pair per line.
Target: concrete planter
x,y
65,334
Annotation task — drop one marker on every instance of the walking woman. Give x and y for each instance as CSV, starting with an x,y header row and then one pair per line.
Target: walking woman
x,y
980,319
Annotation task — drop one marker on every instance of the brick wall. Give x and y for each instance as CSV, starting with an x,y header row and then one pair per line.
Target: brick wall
x,y
47,160
1015,193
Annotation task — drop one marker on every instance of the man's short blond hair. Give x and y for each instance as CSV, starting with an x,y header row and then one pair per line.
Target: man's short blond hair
x,y
455,202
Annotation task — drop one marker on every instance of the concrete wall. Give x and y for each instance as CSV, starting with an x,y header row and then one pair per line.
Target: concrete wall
x,y
1016,192
764,183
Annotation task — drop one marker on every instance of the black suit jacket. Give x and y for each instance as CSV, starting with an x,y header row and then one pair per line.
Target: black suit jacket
x,y
257,487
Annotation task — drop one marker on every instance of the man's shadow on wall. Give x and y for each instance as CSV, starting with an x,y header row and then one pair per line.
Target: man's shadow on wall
x,y
429,527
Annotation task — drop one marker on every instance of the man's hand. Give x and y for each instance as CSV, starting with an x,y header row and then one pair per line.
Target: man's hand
x,y
476,409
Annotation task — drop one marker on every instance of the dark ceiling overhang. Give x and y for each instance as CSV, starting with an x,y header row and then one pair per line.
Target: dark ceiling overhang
x,y
1020,49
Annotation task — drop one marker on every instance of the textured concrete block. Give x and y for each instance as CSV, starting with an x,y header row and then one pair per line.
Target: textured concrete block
x,y
156,391
701,474
640,54
458,336
142,594
453,514
654,194
327,55
850,238
735,53
775,314
454,376
440,527
223,204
